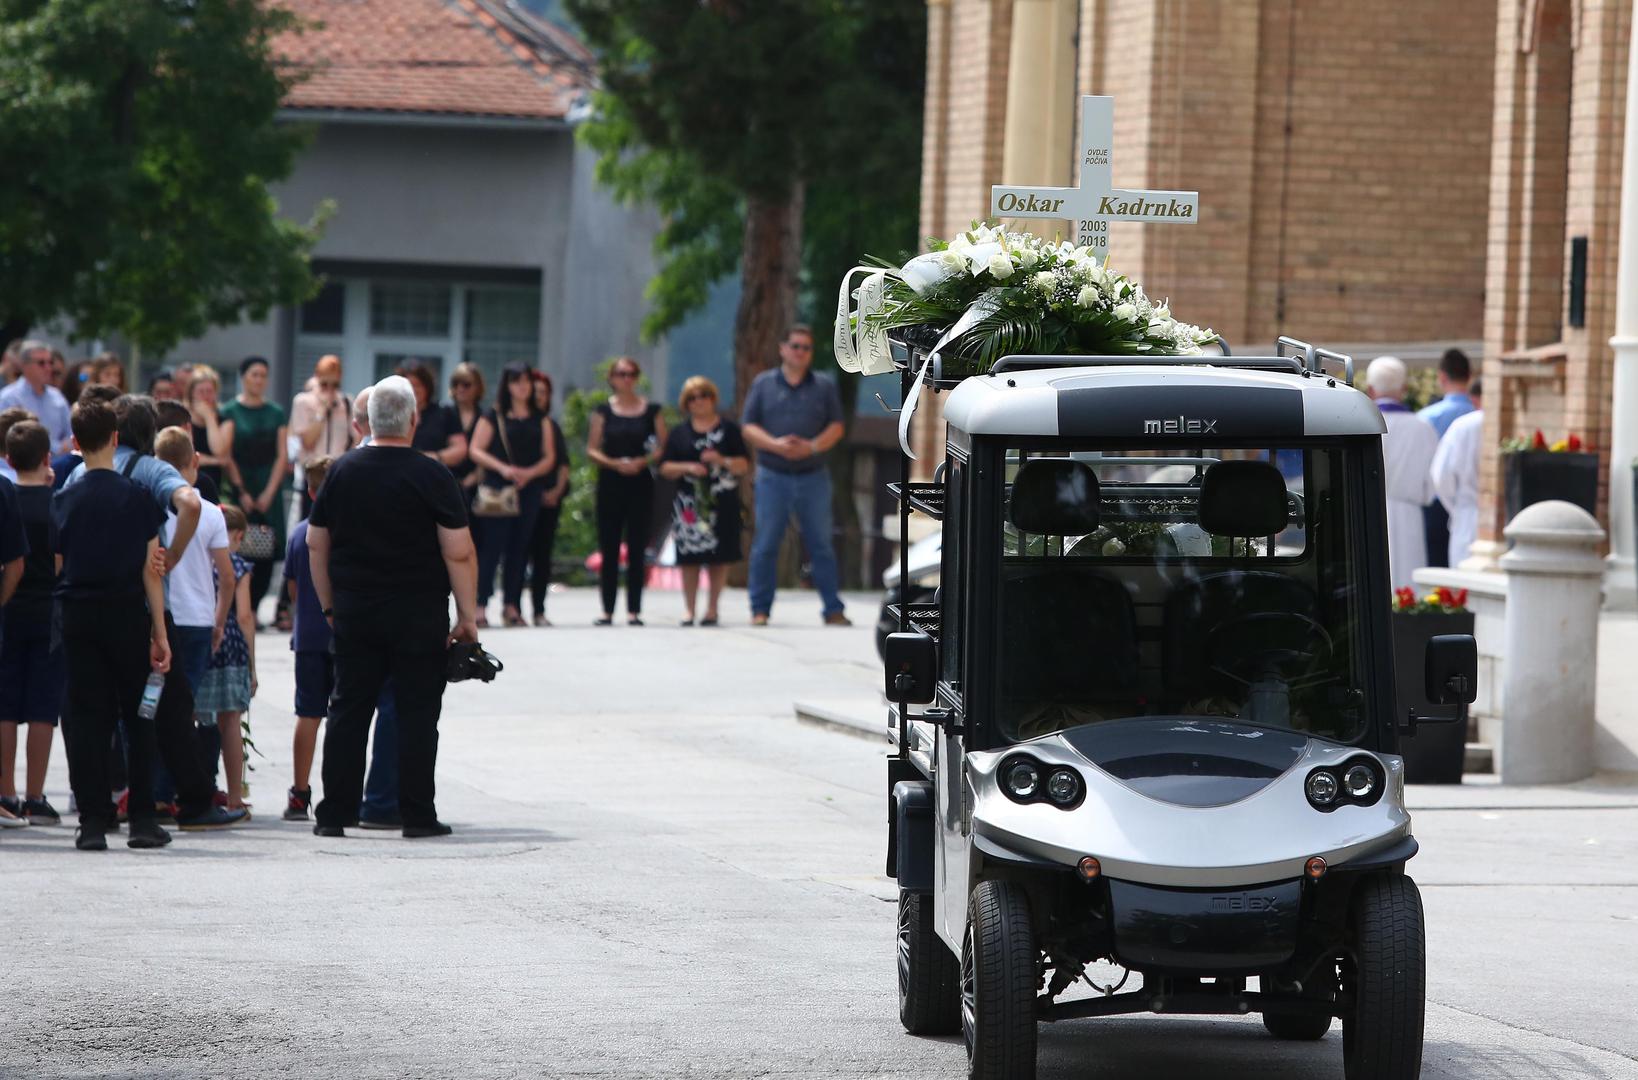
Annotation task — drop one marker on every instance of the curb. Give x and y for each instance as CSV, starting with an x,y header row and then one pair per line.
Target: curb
x,y
841,718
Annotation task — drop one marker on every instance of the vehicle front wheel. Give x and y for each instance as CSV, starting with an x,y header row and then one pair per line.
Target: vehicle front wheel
x,y
1385,975
929,977
1000,971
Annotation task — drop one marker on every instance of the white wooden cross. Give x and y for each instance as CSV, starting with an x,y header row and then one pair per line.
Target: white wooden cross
x,y
1095,203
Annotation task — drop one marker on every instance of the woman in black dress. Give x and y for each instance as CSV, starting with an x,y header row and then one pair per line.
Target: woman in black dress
x,y
551,504
706,456
626,432
437,434
466,390
513,444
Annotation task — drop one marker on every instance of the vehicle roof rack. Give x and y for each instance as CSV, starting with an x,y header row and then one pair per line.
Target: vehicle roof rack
x,y
1290,355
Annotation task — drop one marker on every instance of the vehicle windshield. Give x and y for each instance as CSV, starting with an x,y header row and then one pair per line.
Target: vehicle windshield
x,y
1204,583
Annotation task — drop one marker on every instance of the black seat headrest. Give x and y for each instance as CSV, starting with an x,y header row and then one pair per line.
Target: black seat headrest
x,y
1243,498
1054,497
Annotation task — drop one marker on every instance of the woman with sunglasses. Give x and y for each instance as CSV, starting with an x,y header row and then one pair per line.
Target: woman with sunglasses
x,y
513,443
626,432
551,503
322,418
466,389
706,456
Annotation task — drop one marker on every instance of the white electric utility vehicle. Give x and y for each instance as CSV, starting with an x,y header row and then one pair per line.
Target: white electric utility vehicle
x,y
1146,743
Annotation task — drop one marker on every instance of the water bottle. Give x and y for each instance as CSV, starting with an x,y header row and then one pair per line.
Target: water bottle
x,y
150,695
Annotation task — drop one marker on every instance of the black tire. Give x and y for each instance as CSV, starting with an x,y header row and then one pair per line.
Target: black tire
x,y
1386,974
929,974
1000,971
1296,1027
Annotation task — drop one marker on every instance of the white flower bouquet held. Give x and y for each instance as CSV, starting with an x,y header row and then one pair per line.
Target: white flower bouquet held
x,y
989,293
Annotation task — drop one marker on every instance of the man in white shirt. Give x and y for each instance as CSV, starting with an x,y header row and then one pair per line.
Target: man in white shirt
x,y
1455,475
1407,447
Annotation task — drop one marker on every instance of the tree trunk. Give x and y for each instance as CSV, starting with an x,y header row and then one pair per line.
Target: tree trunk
x,y
768,274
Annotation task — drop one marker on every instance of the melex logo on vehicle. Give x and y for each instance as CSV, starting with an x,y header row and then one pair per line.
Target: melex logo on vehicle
x,y
1238,902
1182,425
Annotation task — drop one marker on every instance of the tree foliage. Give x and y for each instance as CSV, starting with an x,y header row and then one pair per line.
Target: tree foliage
x,y
138,139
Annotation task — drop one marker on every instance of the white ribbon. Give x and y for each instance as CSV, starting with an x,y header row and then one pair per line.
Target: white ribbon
x,y
861,342
986,303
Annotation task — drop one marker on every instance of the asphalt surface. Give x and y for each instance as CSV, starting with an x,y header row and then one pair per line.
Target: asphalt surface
x,y
659,872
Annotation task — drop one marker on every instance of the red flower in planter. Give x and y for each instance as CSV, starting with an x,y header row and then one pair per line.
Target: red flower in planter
x,y
1574,443
1539,442
1404,599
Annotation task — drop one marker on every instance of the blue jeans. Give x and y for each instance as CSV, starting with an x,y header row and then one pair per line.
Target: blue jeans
x,y
779,496
381,785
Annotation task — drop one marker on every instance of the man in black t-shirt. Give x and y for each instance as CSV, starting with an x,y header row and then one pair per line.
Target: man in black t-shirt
x,y
106,531
387,542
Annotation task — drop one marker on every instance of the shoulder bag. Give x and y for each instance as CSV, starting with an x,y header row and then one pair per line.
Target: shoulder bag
x,y
497,502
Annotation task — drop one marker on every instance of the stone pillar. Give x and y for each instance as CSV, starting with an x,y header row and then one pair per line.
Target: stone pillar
x,y
1554,579
1041,102
1621,586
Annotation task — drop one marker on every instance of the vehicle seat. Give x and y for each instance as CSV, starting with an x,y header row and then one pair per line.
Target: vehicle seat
x,y
1071,638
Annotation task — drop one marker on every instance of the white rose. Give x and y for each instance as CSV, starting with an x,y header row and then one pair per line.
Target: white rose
x,y
1026,257
1000,266
1087,297
1044,281
951,259
1113,547
1126,312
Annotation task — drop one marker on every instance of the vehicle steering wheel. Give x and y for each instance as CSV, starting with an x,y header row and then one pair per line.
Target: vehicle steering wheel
x,y
1267,644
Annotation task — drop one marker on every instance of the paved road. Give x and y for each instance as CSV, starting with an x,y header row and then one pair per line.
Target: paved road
x,y
659,873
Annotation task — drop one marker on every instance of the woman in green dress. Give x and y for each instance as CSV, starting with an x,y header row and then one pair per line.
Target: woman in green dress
x,y
254,430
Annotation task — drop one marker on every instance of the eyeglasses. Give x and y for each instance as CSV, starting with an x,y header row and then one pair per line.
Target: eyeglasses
x,y
623,373
796,346
328,385
44,361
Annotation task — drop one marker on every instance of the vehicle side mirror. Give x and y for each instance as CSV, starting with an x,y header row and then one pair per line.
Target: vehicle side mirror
x,y
1054,497
1452,669
911,660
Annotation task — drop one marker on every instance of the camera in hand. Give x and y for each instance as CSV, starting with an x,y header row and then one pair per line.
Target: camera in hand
x,y
468,660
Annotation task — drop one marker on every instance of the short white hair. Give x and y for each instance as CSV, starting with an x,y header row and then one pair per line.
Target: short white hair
x,y
361,408
392,408
1387,376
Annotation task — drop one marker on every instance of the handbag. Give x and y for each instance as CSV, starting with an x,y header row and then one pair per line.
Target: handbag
x,y
497,502
257,546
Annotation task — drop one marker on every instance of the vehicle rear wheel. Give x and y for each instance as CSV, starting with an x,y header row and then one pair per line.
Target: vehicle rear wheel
x,y
1000,971
1386,976
929,976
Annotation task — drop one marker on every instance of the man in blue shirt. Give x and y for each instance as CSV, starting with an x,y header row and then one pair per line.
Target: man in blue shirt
x,y
35,393
1455,373
793,417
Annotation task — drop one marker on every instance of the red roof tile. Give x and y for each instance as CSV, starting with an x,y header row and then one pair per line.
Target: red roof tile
x,y
430,56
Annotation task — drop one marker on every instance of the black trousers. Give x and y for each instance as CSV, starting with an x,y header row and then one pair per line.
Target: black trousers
x,y
105,644
405,640
625,509
504,542
1436,526
540,576
189,758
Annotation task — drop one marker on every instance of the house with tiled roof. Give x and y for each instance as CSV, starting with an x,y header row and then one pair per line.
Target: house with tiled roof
x,y
465,222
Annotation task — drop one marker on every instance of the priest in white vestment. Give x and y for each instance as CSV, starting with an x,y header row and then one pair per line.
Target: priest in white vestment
x,y
1407,449
1455,476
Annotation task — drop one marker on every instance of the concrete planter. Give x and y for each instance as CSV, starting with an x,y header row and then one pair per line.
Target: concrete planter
x,y
1533,476
1434,754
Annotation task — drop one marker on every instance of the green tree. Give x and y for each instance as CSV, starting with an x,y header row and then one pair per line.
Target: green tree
x,y
137,142
734,117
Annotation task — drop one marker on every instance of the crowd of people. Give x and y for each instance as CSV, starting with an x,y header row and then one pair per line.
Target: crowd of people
x,y
1431,461
139,535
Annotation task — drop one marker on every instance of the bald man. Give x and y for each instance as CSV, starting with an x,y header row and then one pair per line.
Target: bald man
x,y
1407,450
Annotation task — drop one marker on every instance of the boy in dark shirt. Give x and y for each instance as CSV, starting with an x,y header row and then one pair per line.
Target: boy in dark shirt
x,y
31,670
105,531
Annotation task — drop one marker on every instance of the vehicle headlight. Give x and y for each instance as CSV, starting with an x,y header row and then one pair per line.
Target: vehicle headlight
x,y
1064,786
1360,782
1322,788
1022,779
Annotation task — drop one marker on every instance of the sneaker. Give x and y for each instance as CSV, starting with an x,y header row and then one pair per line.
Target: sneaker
x,y
836,618
8,820
329,830
12,805
297,805
214,818
40,812
90,838
122,807
419,832
390,821
164,813
147,835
